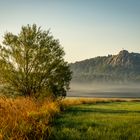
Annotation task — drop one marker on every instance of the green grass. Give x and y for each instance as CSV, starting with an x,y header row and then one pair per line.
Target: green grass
x,y
101,121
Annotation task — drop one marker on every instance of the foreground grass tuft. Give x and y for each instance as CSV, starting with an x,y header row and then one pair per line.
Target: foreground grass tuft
x,y
26,118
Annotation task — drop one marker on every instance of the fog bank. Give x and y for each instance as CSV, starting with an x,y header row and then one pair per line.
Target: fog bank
x,y
104,90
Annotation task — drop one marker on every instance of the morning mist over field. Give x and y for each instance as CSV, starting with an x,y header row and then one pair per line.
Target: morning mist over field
x,y
104,90
107,76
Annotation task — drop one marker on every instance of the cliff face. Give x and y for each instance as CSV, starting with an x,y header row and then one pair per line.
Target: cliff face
x,y
122,66
121,59
125,59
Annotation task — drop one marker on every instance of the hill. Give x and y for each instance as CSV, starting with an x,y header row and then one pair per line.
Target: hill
x,y
122,67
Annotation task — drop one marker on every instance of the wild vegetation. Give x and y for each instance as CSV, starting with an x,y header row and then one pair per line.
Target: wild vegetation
x,y
29,118
32,64
26,118
34,76
71,101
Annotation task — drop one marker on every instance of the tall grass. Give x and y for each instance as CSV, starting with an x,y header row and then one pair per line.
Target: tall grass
x,y
78,101
26,118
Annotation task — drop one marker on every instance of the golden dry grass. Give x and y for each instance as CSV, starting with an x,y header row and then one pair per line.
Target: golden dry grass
x,y
77,101
26,118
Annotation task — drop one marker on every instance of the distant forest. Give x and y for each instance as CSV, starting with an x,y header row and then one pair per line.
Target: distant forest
x,y
124,67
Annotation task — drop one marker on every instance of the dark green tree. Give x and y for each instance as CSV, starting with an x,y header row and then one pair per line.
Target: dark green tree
x,y
32,63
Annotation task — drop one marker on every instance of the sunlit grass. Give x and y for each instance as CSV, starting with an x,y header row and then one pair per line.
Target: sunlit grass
x,y
82,118
26,118
77,101
99,121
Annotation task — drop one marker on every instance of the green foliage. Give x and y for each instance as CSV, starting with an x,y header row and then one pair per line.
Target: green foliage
x,y
113,121
32,63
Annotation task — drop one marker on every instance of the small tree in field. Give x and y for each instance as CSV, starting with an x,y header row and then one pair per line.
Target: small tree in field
x,y
31,63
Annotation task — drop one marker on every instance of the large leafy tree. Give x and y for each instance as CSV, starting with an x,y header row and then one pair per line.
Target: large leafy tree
x,y
32,63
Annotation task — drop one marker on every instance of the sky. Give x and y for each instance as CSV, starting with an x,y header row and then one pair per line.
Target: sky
x,y
85,28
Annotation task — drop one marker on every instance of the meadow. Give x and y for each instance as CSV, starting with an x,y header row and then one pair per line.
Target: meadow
x,y
101,119
71,118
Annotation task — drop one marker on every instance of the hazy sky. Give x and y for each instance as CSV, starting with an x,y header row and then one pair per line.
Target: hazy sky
x,y
85,28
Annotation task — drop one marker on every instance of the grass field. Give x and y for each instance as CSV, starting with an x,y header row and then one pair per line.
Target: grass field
x,y
99,121
69,119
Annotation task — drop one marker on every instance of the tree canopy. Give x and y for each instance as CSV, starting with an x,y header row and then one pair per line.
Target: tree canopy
x,y
32,63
